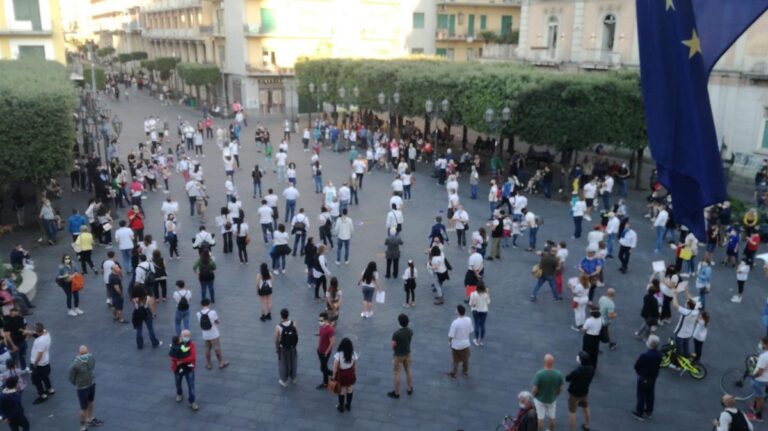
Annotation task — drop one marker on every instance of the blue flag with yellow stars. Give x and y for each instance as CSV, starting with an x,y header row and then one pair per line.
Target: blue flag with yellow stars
x,y
680,42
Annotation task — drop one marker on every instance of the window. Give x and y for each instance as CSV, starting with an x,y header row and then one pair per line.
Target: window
x,y
418,20
609,32
417,50
470,54
552,33
471,26
483,22
506,25
442,21
28,10
36,52
268,23
764,140
441,52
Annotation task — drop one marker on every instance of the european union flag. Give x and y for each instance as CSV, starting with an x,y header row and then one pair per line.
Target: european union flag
x,y
680,42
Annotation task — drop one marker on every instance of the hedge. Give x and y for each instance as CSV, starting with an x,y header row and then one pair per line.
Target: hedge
x,y
37,102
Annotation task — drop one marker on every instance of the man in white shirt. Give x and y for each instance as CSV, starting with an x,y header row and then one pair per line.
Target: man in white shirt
x,y
519,203
344,229
106,269
193,191
271,199
458,338
731,417
475,262
611,231
359,166
265,220
531,221
345,196
627,242
397,185
40,360
660,224
300,227
124,238
606,188
460,220
234,150
305,139
203,240
396,200
211,335
142,271
493,199
394,219
589,191
577,210
290,194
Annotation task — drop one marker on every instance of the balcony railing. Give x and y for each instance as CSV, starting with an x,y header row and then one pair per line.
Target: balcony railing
x,y
598,58
267,69
447,36
163,5
498,51
174,33
501,3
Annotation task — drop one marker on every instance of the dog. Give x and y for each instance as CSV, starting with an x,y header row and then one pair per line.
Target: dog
x,y
6,229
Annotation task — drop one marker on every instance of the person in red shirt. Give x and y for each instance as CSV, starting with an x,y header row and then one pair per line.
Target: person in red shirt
x,y
183,361
753,243
136,222
325,346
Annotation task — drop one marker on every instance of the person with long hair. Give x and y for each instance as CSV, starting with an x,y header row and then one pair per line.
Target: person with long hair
x,y
333,301
264,290
409,279
320,271
280,250
205,268
224,221
344,373
478,303
440,271
172,236
580,299
160,286
310,254
668,287
64,280
700,334
241,238
369,282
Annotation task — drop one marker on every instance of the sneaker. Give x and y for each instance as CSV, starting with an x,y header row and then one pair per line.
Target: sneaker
x,y
638,416
283,272
72,312
346,262
736,299
179,398
78,310
393,394
338,263
95,422
282,383
109,301
612,346
321,386
194,406
476,342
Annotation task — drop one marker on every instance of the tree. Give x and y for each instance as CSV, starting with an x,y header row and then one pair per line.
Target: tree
x,y
105,52
165,66
37,102
100,77
138,55
199,75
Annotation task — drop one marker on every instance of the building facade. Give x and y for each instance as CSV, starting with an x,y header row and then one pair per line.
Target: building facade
x,y
464,27
31,28
593,35
116,23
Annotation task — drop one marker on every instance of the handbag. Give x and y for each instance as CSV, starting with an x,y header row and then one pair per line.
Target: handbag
x,y
536,271
686,253
76,247
77,282
333,386
469,289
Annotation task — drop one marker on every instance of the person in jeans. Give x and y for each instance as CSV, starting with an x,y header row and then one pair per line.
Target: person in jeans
x,y
286,339
15,334
547,385
579,380
81,375
299,228
344,229
458,337
549,264
143,316
182,306
10,405
327,338
205,268
647,369
183,362
40,362
478,303
401,356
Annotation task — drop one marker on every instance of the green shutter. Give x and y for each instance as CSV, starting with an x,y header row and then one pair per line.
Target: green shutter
x,y
451,25
441,52
418,20
483,22
36,52
442,21
28,10
268,23
471,26
765,134
506,24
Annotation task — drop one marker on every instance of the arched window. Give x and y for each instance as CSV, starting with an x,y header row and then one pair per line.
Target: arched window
x,y
552,35
609,32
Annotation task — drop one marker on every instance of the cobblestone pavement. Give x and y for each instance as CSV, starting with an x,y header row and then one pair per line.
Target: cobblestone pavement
x,y
135,388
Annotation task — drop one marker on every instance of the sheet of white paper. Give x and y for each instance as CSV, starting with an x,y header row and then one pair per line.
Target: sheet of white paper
x,y
381,296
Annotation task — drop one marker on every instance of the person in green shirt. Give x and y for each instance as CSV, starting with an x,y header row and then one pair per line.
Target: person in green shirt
x,y
401,349
547,385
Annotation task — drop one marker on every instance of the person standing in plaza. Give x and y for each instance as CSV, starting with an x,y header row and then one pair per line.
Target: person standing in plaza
x,y
291,194
478,303
608,314
15,334
611,232
325,343
345,373
650,310
578,209
590,341
369,283
401,351
660,224
183,298
125,242
205,268
142,315
548,266
647,369
578,388
460,223
627,243
409,284
286,340
392,254
344,229
209,323
299,227
116,293
11,408
264,291
546,387
731,417
532,222
40,362
439,268
183,363
459,339
82,376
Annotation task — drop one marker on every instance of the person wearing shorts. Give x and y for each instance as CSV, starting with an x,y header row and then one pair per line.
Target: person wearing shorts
x,y
81,375
760,379
401,356
547,385
578,390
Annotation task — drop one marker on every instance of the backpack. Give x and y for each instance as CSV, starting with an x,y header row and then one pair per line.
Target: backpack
x,y
265,289
539,221
149,276
738,421
205,321
183,304
289,338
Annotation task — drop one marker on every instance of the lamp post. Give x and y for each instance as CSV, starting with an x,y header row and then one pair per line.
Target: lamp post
x,y
315,91
495,122
445,106
387,101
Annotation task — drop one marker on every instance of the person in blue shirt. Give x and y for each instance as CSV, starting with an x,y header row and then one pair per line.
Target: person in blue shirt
x,y
10,405
74,222
438,231
732,247
591,266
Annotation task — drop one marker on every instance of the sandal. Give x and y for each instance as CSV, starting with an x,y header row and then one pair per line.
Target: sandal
x,y
223,365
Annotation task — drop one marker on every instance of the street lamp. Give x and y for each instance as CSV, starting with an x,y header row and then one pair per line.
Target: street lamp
x,y
493,121
445,106
387,102
316,92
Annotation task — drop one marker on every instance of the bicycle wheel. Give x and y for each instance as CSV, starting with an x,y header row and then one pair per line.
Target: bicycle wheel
x,y
666,361
735,382
698,371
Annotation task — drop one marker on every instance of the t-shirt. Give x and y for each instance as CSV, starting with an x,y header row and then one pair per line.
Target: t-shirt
x,y
547,382
15,325
124,237
461,328
326,333
212,333
687,322
579,208
265,214
402,338
438,264
280,158
592,326
344,365
479,302
107,269
762,363
607,306
42,345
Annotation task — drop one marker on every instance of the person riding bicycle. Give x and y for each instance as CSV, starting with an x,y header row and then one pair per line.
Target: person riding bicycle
x,y
760,379
731,418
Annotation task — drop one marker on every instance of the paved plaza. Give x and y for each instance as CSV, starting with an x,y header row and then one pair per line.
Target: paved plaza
x,y
135,389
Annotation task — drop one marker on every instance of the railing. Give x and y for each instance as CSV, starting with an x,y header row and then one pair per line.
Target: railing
x,y
270,69
206,30
445,35
173,33
481,2
603,57
162,5
499,51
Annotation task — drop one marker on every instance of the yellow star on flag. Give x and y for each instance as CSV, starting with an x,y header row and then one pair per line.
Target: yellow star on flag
x,y
670,5
694,43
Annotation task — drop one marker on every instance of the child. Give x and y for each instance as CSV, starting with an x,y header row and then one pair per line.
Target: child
x,y
742,274
516,231
409,277
732,247
11,370
507,222
700,334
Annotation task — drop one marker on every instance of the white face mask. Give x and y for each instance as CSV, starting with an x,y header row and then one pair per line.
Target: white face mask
x,y
522,405
578,360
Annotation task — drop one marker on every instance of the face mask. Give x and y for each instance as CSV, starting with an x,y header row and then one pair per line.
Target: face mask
x,y
185,339
522,405
85,357
578,360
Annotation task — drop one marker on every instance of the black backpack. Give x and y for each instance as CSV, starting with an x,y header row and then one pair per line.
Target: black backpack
x,y
149,276
738,421
183,304
205,322
289,338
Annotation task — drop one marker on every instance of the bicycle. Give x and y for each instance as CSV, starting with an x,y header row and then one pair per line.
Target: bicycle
x,y
736,381
677,361
507,424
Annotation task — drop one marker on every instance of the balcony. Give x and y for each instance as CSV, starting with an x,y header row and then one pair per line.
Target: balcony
x,y
601,59
758,72
490,3
499,51
267,69
24,32
130,27
543,56
192,33
164,5
206,30
446,36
